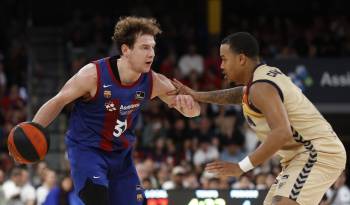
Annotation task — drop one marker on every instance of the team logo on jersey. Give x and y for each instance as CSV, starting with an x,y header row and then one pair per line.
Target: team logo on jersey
x,y
127,109
107,94
140,95
110,106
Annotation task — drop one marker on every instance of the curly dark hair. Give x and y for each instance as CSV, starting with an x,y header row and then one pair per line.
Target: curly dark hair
x,y
129,28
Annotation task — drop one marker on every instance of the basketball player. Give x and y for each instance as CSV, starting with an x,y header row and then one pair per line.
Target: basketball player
x,y
284,120
108,95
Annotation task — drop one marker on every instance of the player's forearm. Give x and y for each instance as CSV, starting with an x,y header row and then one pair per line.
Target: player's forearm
x,y
222,97
274,142
48,112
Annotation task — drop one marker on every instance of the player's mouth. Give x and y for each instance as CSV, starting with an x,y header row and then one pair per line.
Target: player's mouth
x,y
149,63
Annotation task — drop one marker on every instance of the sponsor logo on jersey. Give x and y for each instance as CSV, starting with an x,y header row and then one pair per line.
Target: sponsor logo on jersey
x,y
127,109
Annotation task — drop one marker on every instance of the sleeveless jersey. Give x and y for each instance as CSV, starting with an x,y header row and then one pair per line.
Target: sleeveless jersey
x,y
311,132
107,121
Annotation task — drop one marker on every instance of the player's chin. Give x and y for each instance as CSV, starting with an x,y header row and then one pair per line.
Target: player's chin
x,y
146,68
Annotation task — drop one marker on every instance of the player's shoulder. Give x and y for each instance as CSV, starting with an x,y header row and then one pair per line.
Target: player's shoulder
x,y
265,71
88,71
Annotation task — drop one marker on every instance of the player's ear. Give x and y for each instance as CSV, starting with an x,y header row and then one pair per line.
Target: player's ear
x,y
125,50
242,59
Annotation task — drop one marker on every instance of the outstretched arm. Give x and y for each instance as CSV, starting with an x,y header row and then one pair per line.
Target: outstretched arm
x,y
74,88
222,97
183,103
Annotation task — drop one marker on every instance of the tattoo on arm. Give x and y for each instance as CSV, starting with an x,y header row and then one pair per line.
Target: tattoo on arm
x,y
222,97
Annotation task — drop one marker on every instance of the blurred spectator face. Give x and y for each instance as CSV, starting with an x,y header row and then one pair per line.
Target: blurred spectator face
x,y
205,125
179,124
140,55
146,183
233,149
160,143
163,174
214,183
260,181
2,177
231,64
178,176
67,184
41,168
191,181
149,165
50,178
25,177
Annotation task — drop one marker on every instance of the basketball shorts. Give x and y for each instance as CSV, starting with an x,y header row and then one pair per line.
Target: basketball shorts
x,y
114,170
306,178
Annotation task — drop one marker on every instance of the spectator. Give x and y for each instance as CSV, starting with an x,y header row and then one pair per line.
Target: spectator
x,y
2,195
191,61
205,153
243,183
49,182
177,179
17,189
233,151
63,194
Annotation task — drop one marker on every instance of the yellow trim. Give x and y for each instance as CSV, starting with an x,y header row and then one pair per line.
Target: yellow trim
x,y
248,111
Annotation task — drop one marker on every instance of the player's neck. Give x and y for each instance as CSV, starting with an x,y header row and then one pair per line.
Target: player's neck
x,y
126,73
252,65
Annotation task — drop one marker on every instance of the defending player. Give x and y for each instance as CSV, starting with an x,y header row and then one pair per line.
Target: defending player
x,y
284,120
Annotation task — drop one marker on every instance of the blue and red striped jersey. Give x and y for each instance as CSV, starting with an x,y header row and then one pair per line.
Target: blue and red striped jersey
x,y
107,121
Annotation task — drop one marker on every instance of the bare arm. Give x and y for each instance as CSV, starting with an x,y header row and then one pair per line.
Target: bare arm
x,y
222,97
183,103
81,84
266,98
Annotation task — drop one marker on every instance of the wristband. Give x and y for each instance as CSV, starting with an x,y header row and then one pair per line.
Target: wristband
x,y
246,164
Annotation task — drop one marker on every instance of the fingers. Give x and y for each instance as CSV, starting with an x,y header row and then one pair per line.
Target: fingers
x,y
190,102
177,83
184,101
173,92
214,166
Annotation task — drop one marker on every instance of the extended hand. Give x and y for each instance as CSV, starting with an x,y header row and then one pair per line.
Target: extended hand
x,y
225,169
184,102
180,89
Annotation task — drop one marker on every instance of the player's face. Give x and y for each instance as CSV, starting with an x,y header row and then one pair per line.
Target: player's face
x,y
231,64
142,54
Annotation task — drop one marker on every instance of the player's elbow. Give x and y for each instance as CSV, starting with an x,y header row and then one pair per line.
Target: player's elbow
x,y
285,134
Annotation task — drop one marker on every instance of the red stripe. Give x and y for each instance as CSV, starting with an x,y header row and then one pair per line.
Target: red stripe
x,y
108,127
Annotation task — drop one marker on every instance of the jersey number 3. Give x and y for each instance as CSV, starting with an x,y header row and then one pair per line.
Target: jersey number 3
x,y
119,128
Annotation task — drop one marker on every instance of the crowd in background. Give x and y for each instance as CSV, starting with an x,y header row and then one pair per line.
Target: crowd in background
x,y
171,151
